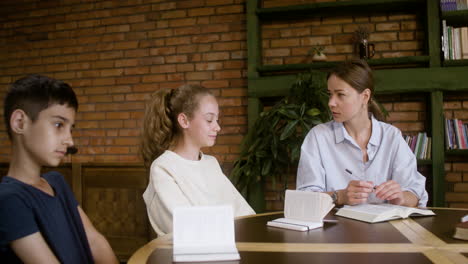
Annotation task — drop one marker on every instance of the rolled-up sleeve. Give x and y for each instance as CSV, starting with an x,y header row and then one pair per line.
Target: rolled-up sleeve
x,y
405,172
310,172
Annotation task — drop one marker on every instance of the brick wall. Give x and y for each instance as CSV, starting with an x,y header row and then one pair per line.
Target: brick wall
x,y
394,35
116,53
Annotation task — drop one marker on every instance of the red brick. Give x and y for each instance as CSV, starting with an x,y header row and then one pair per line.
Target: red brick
x,y
214,56
456,197
205,38
187,31
228,74
163,68
230,9
184,67
198,75
215,83
208,66
201,11
182,22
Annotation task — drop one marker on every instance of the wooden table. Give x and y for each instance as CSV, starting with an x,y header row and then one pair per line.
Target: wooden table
x,y
416,240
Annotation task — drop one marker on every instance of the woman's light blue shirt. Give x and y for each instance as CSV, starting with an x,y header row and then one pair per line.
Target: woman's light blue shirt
x,y
330,158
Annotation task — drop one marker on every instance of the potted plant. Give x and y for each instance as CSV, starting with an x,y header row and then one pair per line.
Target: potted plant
x,y
273,145
317,53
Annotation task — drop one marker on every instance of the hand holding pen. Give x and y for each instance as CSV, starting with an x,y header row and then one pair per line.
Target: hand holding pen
x,y
390,191
357,192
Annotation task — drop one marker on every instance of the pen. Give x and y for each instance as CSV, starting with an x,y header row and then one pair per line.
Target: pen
x,y
348,171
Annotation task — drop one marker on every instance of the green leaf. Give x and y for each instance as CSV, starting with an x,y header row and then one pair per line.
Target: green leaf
x,y
289,113
266,167
313,112
303,107
289,130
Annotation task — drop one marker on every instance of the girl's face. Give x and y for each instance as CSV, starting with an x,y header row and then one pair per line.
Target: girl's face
x,y
345,102
203,127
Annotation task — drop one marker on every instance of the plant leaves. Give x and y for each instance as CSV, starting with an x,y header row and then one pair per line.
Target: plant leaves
x,y
289,129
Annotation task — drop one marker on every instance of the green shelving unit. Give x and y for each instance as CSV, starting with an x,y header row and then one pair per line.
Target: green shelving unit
x,y
425,74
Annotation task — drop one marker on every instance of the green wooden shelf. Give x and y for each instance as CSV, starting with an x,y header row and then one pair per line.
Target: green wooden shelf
x,y
411,60
457,152
333,8
424,162
452,63
455,18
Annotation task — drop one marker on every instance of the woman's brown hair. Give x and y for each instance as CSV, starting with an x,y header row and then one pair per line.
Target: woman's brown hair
x,y
358,75
160,126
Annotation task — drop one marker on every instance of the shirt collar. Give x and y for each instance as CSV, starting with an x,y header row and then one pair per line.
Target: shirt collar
x,y
341,133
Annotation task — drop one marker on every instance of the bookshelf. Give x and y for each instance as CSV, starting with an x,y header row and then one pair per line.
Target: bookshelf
x,y
426,73
458,18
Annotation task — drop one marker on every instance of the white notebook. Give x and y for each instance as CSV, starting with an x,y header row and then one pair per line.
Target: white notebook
x,y
303,210
204,233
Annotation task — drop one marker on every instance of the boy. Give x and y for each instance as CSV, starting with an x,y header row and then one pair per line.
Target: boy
x,y
40,220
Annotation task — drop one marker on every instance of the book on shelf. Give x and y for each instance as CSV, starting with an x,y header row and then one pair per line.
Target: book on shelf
x,y
303,210
453,5
454,42
374,213
461,229
204,233
420,145
456,134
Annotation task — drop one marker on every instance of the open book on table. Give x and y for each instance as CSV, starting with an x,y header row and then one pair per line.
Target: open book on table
x,y
303,210
204,233
373,213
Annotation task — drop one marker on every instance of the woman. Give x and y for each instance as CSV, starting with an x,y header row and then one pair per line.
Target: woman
x,y
356,158
177,124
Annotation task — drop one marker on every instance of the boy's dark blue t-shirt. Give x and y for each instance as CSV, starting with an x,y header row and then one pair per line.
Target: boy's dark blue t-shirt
x,y
25,210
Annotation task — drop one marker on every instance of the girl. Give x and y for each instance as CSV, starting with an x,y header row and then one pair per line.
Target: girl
x,y
356,158
177,124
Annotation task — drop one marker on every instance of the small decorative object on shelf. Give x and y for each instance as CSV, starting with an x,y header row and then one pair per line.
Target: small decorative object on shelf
x,y
360,38
317,53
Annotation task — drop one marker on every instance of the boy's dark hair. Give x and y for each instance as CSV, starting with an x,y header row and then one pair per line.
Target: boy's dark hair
x,y
34,93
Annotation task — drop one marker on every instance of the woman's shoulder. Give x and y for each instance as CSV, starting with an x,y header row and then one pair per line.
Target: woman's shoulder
x,y
323,129
389,129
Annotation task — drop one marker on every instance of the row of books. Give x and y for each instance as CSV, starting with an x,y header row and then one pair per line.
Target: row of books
x,y
420,144
456,134
454,42
452,5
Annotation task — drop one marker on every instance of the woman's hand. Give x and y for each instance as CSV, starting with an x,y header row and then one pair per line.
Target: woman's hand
x,y
390,191
357,192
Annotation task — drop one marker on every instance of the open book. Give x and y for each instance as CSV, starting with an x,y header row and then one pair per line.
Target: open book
x,y
373,213
303,210
204,233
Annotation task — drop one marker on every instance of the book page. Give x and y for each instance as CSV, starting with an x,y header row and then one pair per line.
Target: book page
x,y
204,230
307,206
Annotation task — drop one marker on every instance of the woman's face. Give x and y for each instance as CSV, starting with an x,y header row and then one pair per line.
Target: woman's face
x,y
345,102
203,127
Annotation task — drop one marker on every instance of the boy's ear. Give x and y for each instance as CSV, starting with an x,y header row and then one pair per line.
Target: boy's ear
x,y
18,121
183,120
